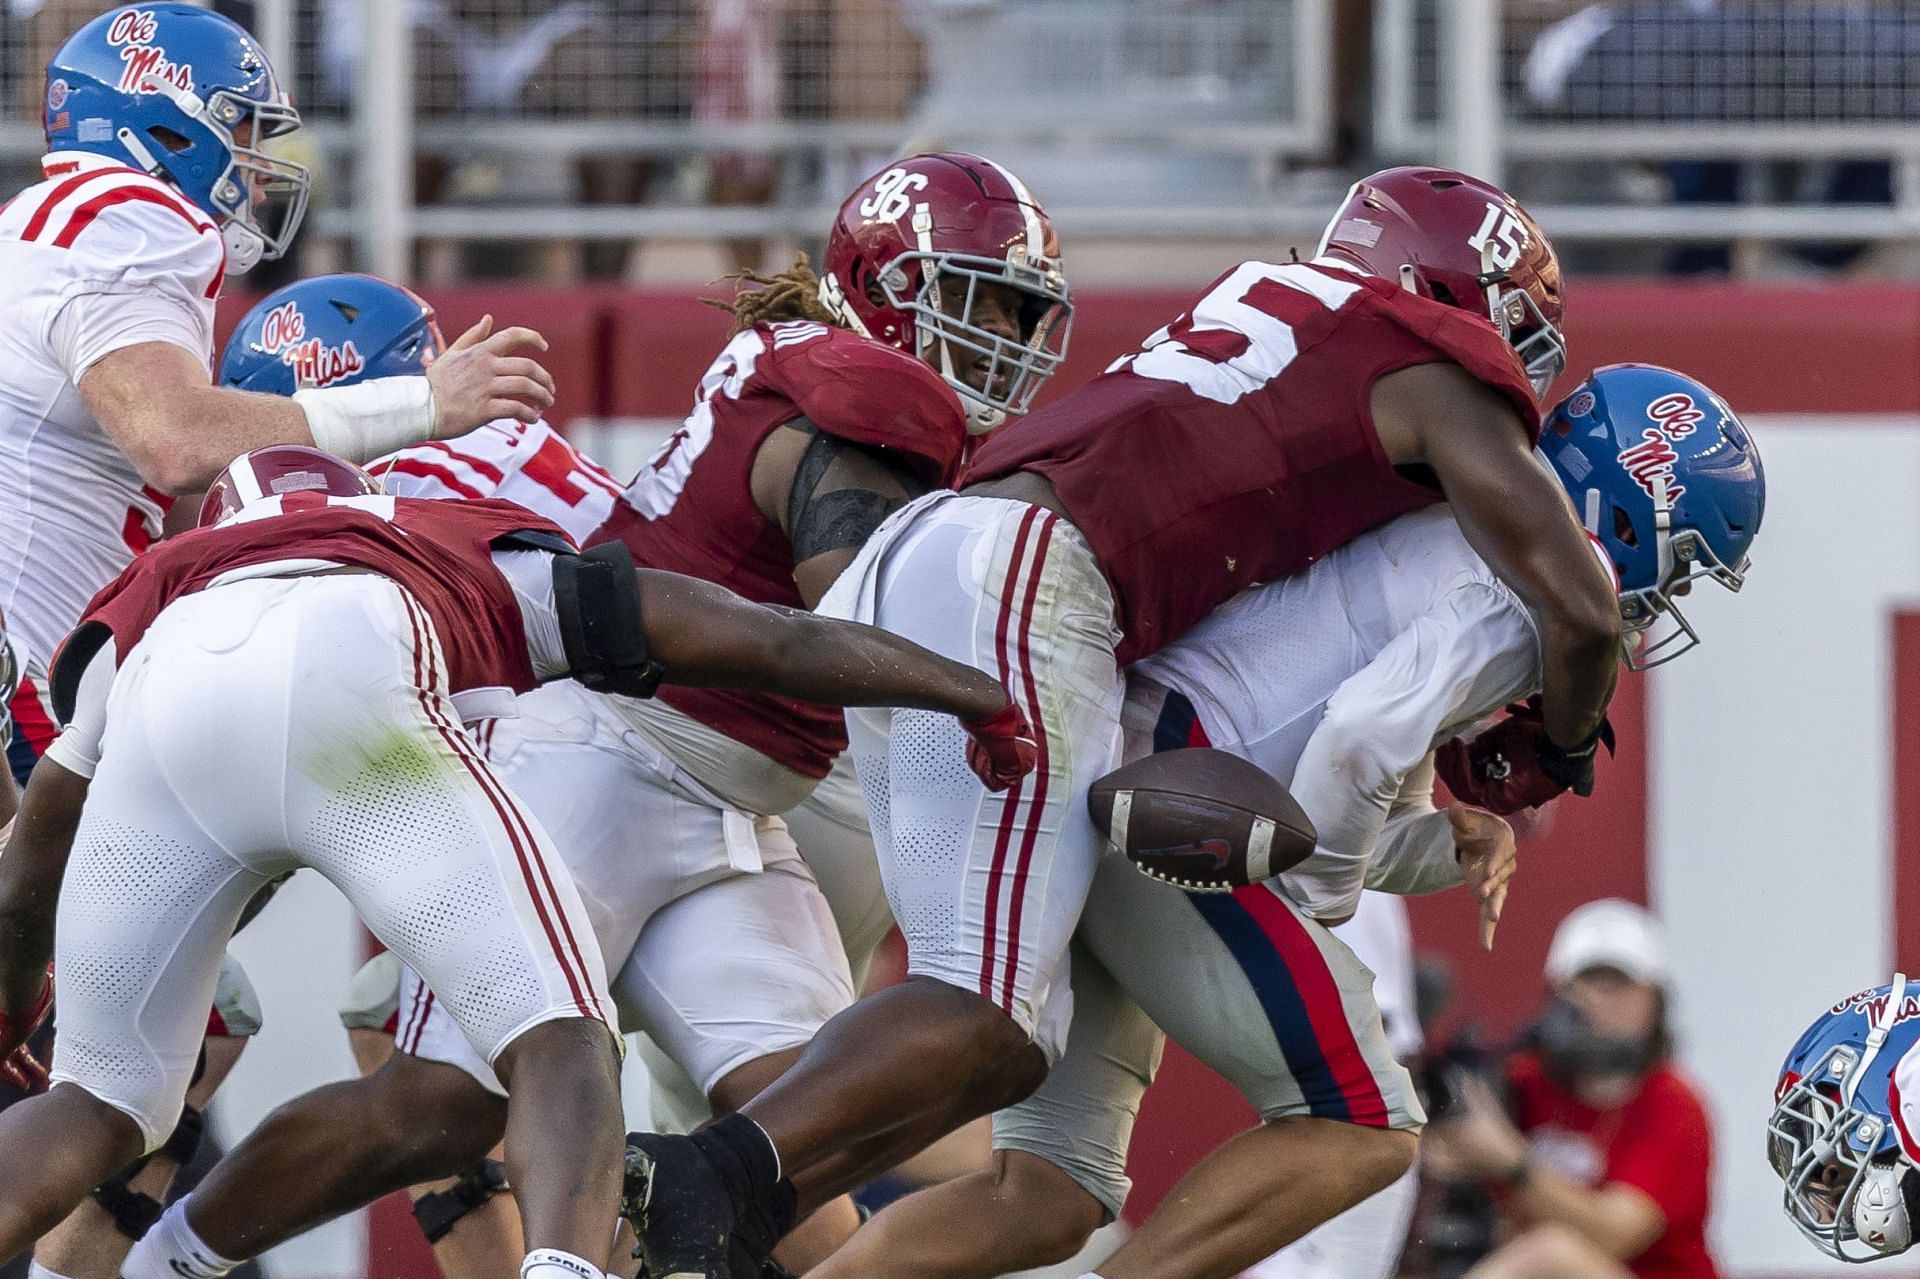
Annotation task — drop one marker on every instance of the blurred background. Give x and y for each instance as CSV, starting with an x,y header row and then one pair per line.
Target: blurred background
x,y
1734,188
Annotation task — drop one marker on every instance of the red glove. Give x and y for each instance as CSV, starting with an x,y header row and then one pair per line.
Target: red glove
x,y
1001,749
18,1065
1515,765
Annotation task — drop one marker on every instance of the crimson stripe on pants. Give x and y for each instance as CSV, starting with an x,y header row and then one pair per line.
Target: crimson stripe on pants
x,y
1010,806
1015,908
503,806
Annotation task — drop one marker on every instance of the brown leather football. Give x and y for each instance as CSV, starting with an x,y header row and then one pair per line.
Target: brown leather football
x,y
1201,819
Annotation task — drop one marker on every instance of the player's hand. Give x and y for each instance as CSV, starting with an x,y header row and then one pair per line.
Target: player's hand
x,y
1488,856
1001,749
1515,765
482,379
18,1065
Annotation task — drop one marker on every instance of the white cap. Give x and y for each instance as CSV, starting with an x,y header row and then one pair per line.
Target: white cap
x,y
1609,933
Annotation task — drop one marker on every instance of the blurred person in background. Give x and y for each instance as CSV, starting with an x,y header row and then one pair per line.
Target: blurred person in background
x,y
1601,1155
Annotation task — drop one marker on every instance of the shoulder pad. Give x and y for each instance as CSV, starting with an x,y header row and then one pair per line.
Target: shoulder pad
x,y
867,392
1472,343
137,229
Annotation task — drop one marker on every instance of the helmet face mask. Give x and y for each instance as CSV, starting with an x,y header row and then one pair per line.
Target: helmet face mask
x,y
950,258
1827,1152
1004,372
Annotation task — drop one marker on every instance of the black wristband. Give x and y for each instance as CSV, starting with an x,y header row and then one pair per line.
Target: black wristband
x,y
1516,1177
1570,766
437,1213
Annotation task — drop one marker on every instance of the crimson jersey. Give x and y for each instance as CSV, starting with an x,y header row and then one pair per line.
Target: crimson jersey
x,y
1237,446
691,508
439,552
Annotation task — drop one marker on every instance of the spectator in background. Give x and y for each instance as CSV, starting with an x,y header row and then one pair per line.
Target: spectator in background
x,y
1602,1155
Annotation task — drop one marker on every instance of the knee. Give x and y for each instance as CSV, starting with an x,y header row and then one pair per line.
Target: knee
x,y
1052,1210
1005,1066
1388,1154
1548,1251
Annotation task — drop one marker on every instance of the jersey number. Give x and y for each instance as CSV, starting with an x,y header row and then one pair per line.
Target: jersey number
x,y
1234,341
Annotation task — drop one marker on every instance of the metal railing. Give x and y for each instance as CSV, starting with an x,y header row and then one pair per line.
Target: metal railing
x,y
1648,84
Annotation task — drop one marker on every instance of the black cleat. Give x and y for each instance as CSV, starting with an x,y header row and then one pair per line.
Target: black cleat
x,y
679,1207
709,1206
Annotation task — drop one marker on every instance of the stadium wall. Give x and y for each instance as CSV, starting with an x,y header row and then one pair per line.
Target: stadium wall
x,y
1766,798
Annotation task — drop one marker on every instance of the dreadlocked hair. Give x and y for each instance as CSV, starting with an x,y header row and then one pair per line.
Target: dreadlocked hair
x,y
793,294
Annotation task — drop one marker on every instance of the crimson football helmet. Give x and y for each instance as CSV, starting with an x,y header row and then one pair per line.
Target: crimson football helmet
x,y
279,469
1464,242
906,259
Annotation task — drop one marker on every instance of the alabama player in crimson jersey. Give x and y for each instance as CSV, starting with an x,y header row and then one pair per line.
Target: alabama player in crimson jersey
x,y
1340,681
1291,408
156,190
817,419
414,616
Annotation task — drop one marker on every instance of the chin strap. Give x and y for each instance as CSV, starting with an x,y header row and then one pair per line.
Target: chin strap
x,y
1876,1037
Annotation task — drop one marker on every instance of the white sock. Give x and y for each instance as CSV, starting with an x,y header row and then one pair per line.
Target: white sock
x,y
37,1271
551,1263
171,1250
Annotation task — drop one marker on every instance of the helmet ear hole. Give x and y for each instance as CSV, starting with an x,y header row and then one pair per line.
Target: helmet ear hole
x,y
1623,527
1441,293
172,141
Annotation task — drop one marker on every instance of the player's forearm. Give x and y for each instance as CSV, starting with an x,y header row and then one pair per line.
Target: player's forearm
x,y
1415,853
1621,1221
848,664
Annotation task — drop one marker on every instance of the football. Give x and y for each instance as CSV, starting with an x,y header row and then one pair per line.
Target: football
x,y
1201,819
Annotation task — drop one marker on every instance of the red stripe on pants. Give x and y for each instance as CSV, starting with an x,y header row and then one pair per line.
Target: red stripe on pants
x,y
1320,995
502,805
1015,908
1010,807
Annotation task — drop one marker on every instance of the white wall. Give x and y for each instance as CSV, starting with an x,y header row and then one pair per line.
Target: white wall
x,y
1771,823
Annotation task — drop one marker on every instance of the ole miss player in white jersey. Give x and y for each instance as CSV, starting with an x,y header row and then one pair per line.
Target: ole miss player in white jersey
x,y
1340,681
1293,407
807,430
156,191
406,617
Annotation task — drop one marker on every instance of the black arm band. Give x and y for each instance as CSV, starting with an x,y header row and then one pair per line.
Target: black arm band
x,y
840,518
597,598
438,1213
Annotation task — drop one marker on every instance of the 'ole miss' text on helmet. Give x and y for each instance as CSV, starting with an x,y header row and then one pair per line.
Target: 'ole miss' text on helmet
x,y
332,330
187,96
1461,241
1668,483
907,260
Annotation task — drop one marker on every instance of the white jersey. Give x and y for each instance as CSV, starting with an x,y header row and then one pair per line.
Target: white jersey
x,y
96,258
1341,680
533,466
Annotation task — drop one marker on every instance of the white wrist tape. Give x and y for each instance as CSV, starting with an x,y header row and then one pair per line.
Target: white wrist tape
x,y
370,419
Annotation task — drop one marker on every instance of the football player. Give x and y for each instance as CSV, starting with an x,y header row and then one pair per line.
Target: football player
x,y
1340,681
157,188
812,424
1293,407
412,615
1842,1132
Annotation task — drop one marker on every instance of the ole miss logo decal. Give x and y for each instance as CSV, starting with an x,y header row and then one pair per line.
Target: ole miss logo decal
x,y
132,33
1674,417
284,333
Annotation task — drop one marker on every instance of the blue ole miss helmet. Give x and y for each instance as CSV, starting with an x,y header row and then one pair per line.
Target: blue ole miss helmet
x,y
1668,482
1837,1136
332,330
187,96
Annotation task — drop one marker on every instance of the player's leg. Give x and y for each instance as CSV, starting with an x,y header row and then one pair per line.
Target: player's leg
x,y
1550,1251
986,886
1364,1242
93,1242
835,835
446,867
1284,1011
1059,1163
731,981
149,899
